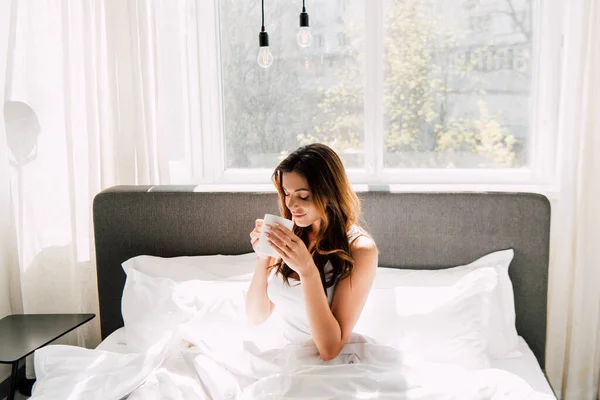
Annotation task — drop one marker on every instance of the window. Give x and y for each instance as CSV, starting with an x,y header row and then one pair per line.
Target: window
x,y
307,95
443,114
395,86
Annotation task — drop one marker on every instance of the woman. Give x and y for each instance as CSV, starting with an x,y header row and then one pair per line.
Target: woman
x,y
327,263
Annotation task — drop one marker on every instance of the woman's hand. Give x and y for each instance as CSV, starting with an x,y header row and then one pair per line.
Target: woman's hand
x,y
258,305
255,238
291,249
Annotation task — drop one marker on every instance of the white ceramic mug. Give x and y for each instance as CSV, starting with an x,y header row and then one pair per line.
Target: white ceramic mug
x,y
263,246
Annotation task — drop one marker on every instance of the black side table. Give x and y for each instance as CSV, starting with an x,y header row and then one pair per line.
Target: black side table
x,y
21,335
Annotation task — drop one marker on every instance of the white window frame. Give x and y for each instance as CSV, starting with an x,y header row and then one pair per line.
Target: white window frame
x,y
540,175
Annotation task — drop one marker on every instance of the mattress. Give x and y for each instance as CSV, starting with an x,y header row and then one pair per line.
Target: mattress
x,y
525,366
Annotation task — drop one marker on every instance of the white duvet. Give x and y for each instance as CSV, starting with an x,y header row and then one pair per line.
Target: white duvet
x,y
189,340
187,363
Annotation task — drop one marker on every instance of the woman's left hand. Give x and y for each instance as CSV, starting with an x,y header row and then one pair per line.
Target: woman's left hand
x,y
291,249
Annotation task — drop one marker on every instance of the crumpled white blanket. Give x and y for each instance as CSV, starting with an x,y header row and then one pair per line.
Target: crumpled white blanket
x,y
220,366
185,346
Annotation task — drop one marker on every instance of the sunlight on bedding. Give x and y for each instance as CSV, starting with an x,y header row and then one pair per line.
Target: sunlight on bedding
x,y
189,338
80,388
366,395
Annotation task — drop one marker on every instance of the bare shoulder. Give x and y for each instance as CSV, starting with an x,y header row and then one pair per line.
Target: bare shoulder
x,y
363,243
364,250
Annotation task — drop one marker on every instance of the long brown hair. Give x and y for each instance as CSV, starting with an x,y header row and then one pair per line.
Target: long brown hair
x,y
334,199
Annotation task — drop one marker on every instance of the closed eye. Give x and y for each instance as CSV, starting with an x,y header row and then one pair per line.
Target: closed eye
x,y
300,197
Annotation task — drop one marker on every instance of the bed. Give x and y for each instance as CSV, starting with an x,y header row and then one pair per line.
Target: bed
x,y
413,231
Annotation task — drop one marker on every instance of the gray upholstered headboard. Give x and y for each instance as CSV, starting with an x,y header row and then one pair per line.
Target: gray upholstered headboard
x,y
412,230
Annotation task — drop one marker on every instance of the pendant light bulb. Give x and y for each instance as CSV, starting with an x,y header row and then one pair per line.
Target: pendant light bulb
x,y
265,58
303,36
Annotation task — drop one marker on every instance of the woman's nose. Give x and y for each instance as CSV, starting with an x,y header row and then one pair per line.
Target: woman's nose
x,y
291,203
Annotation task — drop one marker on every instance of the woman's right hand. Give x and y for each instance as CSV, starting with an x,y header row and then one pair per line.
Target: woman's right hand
x,y
255,238
258,305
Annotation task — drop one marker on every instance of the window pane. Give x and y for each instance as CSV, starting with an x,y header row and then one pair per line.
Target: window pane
x,y
457,83
312,94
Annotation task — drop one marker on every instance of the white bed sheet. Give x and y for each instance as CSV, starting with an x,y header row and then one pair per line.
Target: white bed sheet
x,y
115,342
525,366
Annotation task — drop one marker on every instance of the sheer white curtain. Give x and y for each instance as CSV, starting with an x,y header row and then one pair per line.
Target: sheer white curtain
x,y
91,89
573,363
8,250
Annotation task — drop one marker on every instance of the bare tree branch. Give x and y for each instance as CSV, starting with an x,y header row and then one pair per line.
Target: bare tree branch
x,y
519,23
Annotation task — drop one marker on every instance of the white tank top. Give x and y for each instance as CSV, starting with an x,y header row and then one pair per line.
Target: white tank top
x,y
289,299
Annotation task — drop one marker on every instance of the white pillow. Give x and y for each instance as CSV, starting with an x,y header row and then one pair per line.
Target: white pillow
x,y
155,306
180,269
161,293
434,324
503,341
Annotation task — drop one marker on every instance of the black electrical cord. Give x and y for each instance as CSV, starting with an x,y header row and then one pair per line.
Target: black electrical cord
x,y
263,16
263,37
303,16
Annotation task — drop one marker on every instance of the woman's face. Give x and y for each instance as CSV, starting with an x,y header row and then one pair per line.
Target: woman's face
x,y
299,199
